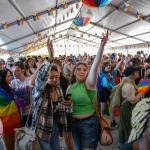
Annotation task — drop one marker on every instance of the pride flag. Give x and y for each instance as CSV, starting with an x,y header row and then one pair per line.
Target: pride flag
x,y
4,25
79,0
125,7
20,22
9,113
49,12
138,15
143,85
64,6
35,17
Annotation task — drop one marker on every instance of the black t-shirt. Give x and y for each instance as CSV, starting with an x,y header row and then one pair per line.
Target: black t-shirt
x,y
64,84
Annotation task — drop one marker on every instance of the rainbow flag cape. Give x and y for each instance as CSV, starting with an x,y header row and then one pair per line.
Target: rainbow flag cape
x,y
64,6
125,7
4,25
9,113
35,17
20,22
138,15
143,85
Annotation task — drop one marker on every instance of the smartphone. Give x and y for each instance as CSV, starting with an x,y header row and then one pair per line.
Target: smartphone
x,y
67,97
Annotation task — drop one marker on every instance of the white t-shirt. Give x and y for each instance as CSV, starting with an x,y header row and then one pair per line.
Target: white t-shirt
x,y
23,90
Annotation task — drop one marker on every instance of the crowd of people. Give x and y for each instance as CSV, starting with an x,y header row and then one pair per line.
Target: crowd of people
x,y
45,88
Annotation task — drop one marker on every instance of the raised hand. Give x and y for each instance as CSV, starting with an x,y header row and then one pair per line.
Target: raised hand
x,y
105,39
50,49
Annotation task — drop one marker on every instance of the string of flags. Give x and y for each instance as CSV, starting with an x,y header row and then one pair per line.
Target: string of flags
x,y
126,8
35,17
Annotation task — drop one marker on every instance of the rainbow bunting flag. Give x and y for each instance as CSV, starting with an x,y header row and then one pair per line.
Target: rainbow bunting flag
x,y
72,11
144,85
20,22
35,17
138,15
125,7
4,25
50,12
64,6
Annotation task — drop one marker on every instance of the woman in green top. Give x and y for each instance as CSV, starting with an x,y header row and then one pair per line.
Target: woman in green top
x,y
85,124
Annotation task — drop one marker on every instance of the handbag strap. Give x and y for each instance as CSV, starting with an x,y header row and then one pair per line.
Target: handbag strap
x,y
96,111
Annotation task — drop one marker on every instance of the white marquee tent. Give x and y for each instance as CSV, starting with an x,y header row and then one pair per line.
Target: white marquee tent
x,y
127,31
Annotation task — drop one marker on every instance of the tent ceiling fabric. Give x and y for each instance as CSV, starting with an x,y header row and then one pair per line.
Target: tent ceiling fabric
x,y
126,28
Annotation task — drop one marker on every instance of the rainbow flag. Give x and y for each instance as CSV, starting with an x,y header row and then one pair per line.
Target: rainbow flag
x,y
35,17
4,25
138,15
8,110
125,7
79,0
64,6
20,22
144,85
50,12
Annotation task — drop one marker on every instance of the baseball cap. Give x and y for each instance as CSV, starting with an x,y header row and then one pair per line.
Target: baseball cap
x,y
10,61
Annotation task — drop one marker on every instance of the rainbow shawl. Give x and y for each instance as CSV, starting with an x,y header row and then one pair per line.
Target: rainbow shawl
x,y
9,113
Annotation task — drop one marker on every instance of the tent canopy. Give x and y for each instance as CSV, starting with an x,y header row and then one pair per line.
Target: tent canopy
x,y
126,28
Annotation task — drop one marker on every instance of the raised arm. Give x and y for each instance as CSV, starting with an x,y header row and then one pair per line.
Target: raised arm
x,y
119,63
50,49
91,80
41,75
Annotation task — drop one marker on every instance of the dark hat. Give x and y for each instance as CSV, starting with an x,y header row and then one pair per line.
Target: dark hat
x,y
148,59
130,70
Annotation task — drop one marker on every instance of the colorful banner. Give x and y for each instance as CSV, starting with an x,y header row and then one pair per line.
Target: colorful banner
x,y
65,5
20,22
35,17
4,25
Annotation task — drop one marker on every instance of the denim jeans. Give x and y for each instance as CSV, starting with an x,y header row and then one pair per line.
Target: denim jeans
x,y
85,133
53,143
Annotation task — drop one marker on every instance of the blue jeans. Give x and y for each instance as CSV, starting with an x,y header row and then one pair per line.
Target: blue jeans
x,y
53,143
85,132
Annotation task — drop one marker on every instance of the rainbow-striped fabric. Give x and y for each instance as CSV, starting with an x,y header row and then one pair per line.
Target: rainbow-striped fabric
x,y
9,113
143,85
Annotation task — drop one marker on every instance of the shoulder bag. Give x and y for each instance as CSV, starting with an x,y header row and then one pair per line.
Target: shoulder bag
x,y
26,138
105,138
